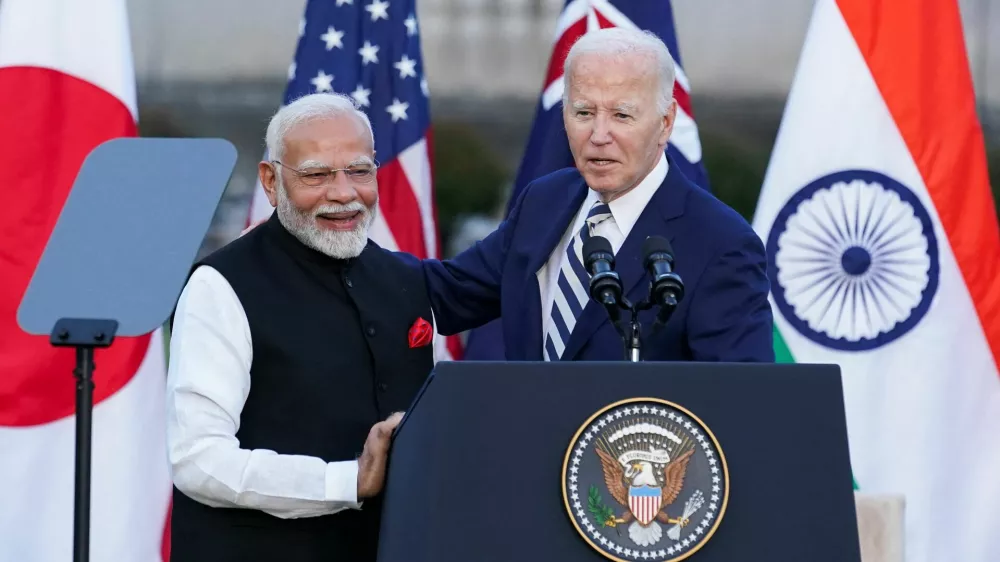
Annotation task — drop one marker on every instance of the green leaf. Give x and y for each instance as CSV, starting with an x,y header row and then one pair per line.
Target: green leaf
x,y
597,508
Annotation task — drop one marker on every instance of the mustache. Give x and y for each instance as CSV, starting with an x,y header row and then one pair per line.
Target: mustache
x,y
353,206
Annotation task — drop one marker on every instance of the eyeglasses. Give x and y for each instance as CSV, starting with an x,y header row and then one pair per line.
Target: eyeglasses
x,y
358,173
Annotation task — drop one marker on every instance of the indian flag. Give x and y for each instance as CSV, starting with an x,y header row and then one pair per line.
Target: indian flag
x,y
884,258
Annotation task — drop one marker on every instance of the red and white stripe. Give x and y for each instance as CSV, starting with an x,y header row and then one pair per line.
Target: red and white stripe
x,y
644,508
582,16
67,85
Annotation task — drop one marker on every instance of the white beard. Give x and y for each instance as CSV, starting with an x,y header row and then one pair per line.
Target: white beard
x,y
334,243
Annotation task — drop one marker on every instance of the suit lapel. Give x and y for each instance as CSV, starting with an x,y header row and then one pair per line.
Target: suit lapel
x,y
566,203
666,205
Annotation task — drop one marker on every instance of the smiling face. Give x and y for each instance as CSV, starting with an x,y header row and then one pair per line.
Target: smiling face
x,y
616,131
329,215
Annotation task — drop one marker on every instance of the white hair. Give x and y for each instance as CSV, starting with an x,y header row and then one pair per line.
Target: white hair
x,y
307,108
618,41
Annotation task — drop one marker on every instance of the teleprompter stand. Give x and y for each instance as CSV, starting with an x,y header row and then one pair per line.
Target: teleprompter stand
x,y
117,260
85,335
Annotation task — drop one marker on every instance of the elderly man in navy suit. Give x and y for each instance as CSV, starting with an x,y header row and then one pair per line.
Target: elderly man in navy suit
x,y
618,110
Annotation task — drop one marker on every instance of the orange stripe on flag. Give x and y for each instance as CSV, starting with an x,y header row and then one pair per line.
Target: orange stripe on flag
x,y
916,54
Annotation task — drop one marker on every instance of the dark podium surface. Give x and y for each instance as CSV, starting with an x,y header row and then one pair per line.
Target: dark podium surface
x,y
476,467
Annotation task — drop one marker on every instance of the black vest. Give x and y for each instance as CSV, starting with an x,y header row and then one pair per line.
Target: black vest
x,y
331,357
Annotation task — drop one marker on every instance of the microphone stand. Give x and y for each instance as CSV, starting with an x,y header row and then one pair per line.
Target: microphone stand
x,y
633,340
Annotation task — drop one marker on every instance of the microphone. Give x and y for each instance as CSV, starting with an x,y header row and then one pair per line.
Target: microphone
x,y
666,289
605,285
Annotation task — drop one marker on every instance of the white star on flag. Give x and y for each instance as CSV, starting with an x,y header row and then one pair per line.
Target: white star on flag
x,y
333,38
424,88
411,25
323,82
369,53
291,71
302,26
378,9
397,109
360,95
406,67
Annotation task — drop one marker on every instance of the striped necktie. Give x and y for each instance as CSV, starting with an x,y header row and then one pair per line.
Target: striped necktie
x,y
573,288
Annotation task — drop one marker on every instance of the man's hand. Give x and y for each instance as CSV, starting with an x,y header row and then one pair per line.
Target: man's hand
x,y
371,465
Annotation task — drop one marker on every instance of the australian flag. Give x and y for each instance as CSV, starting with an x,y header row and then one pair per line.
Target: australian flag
x,y
547,148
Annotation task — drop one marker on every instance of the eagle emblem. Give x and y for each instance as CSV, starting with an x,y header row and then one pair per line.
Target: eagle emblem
x,y
644,479
635,486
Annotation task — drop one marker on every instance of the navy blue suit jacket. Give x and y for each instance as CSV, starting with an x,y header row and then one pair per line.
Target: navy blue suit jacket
x,y
724,315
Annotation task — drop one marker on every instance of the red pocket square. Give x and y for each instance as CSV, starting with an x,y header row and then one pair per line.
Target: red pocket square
x,y
421,333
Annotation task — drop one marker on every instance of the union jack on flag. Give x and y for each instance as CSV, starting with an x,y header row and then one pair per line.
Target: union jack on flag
x,y
370,50
548,150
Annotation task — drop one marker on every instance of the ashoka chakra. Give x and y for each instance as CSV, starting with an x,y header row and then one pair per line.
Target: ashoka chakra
x,y
853,260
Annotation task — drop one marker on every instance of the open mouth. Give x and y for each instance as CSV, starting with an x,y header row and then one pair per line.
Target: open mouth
x,y
339,221
601,162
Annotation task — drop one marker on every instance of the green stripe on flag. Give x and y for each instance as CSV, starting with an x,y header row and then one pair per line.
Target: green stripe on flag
x,y
781,353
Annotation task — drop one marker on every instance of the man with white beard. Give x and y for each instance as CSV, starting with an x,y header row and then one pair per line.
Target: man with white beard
x,y
291,349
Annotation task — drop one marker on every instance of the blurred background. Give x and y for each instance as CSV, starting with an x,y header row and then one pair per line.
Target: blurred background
x,y
922,413
485,62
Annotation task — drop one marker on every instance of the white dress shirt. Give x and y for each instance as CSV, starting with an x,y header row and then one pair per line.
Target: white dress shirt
x,y
625,211
208,381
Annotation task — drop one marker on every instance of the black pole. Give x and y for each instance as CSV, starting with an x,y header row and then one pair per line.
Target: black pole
x,y
84,334
84,408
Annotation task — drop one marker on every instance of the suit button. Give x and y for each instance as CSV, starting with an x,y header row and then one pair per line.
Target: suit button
x,y
347,281
383,387
371,330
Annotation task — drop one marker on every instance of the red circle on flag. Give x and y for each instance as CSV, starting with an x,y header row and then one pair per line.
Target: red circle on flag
x,y
51,121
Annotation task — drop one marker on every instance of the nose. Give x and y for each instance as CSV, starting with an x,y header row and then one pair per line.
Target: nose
x,y
601,133
340,189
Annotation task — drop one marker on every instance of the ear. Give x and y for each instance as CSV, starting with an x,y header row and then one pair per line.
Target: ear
x,y
266,172
668,123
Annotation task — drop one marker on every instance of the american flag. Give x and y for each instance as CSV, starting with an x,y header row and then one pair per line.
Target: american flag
x,y
370,49
547,148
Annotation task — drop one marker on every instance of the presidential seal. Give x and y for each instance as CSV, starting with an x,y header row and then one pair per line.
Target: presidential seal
x,y
645,479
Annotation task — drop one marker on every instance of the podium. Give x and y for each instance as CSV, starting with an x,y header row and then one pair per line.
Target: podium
x,y
706,462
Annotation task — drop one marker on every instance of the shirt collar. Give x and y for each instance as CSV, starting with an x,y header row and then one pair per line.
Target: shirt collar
x,y
627,208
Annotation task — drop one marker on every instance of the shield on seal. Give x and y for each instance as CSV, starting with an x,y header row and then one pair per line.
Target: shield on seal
x,y
644,501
